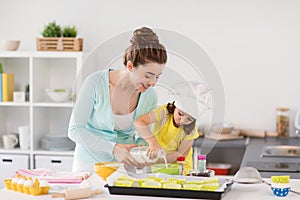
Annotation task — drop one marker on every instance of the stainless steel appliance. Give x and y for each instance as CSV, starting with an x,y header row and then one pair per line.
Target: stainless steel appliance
x,y
297,123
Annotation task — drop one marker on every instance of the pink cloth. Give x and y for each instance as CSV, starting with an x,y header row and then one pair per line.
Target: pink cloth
x,y
54,177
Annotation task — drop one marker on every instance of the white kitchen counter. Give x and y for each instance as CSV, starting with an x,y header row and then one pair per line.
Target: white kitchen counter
x,y
238,191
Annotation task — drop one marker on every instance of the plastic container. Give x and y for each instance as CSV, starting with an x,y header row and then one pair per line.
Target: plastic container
x,y
282,122
140,154
219,168
202,163
172,169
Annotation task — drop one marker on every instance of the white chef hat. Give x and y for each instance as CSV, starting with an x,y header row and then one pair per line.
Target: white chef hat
x,y
192,97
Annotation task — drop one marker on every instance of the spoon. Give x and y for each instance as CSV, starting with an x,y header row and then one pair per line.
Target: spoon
x,y
250,175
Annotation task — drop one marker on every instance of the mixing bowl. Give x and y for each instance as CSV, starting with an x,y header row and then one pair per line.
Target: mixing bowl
x,y
173,169
105,169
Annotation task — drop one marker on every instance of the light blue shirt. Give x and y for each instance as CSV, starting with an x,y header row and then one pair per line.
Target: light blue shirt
x,y
92,122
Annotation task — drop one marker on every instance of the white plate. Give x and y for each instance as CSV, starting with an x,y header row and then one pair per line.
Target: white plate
x,y
60,149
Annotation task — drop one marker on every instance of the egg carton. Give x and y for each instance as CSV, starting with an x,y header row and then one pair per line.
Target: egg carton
x,y
27,185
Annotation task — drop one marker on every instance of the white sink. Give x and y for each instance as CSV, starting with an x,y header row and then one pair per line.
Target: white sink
x,y
281,151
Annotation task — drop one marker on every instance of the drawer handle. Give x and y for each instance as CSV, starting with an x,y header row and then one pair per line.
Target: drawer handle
x,y
55,161
7,160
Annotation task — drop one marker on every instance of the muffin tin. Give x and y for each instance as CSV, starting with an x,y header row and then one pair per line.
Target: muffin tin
x,y
188,189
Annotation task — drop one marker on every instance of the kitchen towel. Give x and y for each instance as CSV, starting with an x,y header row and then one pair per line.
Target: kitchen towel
x,y
54,176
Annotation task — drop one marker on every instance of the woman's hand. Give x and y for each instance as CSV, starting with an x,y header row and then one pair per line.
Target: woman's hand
x,y
121,152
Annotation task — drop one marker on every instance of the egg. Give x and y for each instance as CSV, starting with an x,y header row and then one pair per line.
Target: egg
x,y
15,180
21,181
44,183
28,183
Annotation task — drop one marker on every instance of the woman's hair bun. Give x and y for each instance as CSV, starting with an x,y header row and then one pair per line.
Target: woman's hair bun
x,y
144,36
144,48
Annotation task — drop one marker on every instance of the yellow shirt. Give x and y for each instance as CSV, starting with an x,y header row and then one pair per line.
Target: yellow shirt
x,y
170,137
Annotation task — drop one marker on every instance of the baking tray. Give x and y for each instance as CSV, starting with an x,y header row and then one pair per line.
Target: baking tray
x,y
160,192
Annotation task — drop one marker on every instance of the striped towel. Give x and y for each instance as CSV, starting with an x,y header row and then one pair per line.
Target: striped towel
x,y
54,176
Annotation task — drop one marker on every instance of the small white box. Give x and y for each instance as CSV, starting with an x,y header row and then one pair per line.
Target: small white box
x,y
19,96
10,163
56,163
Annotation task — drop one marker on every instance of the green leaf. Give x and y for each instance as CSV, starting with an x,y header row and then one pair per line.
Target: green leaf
x,y
52,30
69,31
1,69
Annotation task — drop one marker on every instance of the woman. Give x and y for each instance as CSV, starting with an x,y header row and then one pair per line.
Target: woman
x,y
174,131
110,100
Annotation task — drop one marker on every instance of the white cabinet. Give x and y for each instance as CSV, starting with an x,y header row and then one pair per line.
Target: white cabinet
x,y
40,70
9,164
56,163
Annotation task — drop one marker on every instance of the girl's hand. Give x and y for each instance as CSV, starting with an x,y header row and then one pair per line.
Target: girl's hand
x,y
153,149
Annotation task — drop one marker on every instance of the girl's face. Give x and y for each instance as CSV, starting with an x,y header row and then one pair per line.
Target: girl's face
x,y
144,76
181,118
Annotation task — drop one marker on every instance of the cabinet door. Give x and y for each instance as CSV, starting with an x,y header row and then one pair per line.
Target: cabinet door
x,y
56,163
9,164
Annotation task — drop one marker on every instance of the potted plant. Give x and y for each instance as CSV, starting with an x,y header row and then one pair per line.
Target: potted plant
x,y
69,31
57,38
52,30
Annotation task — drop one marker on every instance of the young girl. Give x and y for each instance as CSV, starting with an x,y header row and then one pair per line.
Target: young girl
x,y
174,130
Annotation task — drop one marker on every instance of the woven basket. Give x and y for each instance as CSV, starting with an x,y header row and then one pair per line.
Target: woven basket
x,y
59,44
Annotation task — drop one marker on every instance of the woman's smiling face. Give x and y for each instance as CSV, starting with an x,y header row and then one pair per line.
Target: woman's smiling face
x,y
146,75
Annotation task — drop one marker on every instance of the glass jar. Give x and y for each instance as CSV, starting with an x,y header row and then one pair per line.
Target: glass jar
x,y
202,163
282,122
180,160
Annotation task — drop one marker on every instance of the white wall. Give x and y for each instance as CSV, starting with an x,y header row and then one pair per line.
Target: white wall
x,y
255,44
